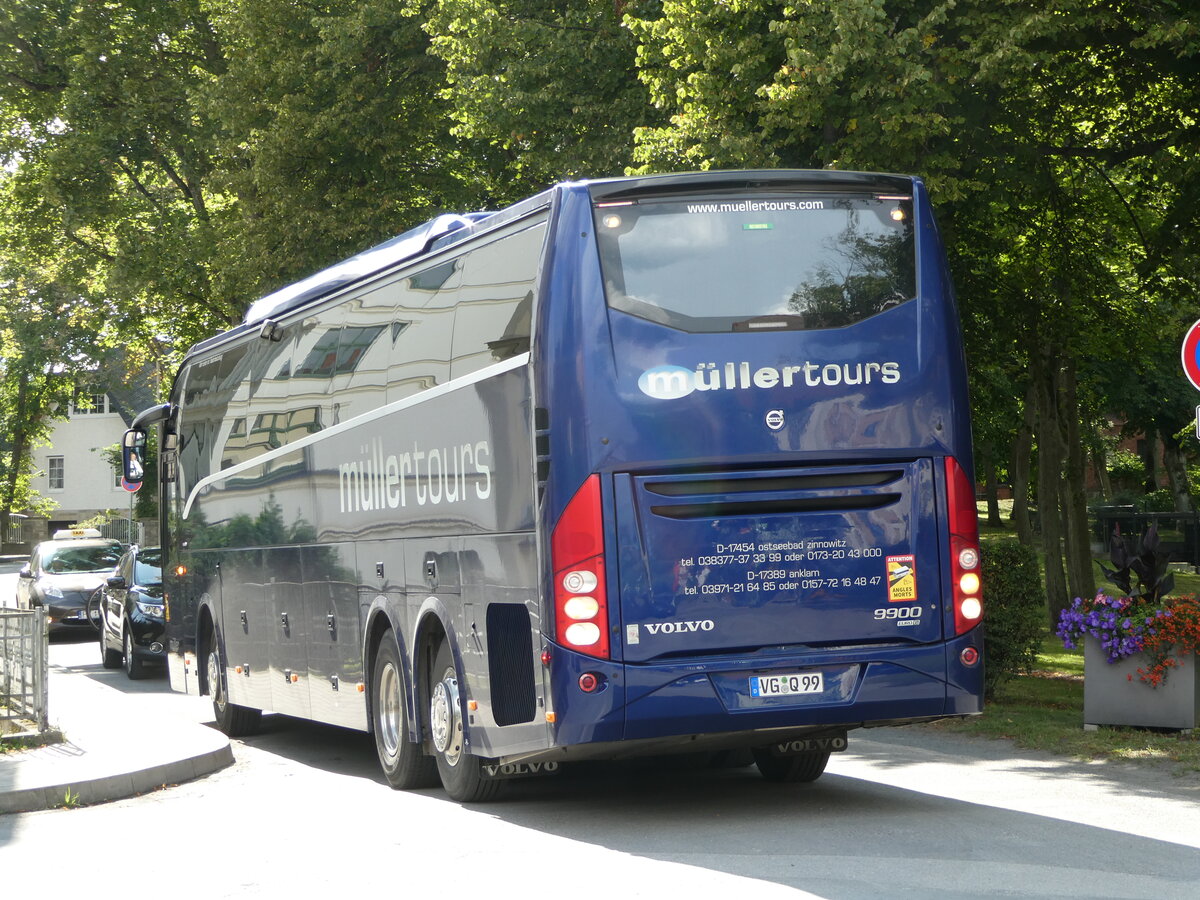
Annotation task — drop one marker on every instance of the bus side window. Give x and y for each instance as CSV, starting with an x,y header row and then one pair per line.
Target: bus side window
x,y
360,370
495,304
314,363
420,329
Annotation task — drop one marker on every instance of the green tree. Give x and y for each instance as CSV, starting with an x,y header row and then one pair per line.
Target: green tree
x,y
107,162
40,353
1058,140
332,136
544,91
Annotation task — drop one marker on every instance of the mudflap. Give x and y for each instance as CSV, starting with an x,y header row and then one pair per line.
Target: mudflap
x,y
495,771
832,742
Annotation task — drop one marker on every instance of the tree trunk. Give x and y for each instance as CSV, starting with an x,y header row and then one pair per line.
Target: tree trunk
x,y
1150,458
1080,577
1050,465
1022,454
1100,464
991,493
1176,474
20,448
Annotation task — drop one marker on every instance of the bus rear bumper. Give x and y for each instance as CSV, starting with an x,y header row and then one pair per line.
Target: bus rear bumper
x,y
862,688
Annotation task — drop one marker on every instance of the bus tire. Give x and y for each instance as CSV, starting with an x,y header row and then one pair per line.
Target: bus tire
x,y
404,764
461,773
797,768
233,720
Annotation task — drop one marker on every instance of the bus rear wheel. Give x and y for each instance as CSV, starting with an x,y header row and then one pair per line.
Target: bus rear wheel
x,y
403,763
461,773
233,720
794,769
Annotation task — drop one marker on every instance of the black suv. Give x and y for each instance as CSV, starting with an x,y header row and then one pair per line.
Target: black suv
x,y
130,612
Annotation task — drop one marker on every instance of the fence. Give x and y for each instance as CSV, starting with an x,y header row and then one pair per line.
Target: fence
x,y
24,659
1178,533
132,531
16,529
123,530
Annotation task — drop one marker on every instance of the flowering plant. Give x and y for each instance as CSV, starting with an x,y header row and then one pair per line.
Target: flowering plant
x,y
1166,631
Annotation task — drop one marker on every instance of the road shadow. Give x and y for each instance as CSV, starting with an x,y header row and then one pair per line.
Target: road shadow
x,y
842,837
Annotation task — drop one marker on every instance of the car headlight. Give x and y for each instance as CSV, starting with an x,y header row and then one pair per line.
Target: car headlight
x,y
52,590
155,610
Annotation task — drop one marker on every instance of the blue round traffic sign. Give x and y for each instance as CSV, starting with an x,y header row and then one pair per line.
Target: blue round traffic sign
x,y
1190,355
132,488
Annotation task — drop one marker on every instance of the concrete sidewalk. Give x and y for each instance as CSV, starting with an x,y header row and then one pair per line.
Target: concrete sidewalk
x,y
121,738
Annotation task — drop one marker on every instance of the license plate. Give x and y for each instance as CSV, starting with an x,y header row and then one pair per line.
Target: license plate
x,y
786,685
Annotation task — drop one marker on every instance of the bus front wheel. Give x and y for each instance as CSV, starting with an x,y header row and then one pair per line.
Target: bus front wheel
x,y
796,768
403,763
461,773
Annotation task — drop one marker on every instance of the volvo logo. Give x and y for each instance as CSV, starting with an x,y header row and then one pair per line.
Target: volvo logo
x,y
680,627
775,419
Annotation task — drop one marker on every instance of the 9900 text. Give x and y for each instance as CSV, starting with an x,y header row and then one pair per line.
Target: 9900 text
x,y
898,612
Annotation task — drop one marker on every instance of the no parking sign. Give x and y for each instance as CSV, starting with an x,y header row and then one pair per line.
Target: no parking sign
x,y
1190,357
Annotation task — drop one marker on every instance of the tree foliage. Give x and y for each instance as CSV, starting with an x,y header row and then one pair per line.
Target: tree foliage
x,y
1060,140
330,135
166,163
545,91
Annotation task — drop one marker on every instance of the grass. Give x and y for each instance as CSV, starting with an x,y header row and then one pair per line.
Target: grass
x,y
1044,711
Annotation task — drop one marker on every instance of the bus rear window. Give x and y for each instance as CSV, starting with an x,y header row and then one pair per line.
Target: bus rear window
x,y
799,262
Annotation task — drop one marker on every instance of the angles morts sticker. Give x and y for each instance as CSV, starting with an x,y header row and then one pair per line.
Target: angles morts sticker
x,y
902,578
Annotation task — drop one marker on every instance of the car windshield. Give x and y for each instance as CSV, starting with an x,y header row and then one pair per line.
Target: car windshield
x,y
147,571
74,560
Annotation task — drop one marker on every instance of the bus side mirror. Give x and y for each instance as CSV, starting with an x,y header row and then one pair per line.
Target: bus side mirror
x,y
133,456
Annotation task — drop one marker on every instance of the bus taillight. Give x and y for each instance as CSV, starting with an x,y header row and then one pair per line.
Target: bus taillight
x,y
577,560
964,548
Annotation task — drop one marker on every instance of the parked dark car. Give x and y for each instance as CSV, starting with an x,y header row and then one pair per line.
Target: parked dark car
x,y
131,611
63,573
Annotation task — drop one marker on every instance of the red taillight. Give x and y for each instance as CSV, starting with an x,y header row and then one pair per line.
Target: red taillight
x,y
964,548
577,560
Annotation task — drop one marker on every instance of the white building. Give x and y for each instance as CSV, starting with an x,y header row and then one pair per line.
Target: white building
x,y
73,472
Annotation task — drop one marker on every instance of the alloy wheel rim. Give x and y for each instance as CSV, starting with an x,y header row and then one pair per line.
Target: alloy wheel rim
x,y
214,679
445,720
389,716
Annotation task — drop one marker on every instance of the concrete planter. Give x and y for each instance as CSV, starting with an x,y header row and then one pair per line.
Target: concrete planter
x,y
1110,698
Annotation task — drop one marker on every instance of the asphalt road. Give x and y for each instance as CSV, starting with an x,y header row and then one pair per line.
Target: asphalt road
x,y
304,812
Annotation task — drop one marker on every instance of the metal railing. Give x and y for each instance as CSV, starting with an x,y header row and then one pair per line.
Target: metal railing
x,y
16,529
24,661
123,530
1178,533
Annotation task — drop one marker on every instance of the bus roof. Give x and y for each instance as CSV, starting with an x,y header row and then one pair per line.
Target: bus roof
x,y
450,228
374,259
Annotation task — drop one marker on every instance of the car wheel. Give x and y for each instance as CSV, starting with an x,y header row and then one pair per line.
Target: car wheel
x,y
130,663
233,720
461,773
111,659
797,768
404,764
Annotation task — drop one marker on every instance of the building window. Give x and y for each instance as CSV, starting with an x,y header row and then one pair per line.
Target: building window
x,y
55,472
89,403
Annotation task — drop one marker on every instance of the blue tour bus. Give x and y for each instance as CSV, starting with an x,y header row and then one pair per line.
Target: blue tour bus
x,y
636,466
